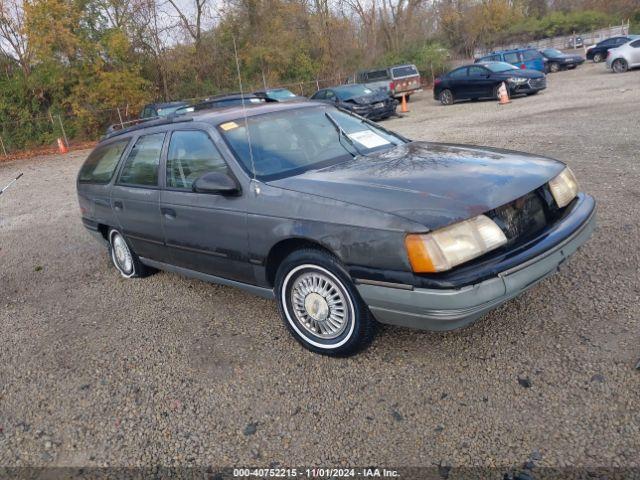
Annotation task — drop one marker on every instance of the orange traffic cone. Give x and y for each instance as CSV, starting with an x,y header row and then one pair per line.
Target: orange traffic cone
x,y
62,148
503,95
403,105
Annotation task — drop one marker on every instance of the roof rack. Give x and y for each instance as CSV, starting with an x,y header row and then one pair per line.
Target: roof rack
x,y
140,123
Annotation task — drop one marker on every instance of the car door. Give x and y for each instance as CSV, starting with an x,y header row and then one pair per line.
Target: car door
x,y
480,82
135,196
459,82
634,53
203,232
514,58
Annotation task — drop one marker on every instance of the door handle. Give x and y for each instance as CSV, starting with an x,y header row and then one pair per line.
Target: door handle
x,y
168,212
118,205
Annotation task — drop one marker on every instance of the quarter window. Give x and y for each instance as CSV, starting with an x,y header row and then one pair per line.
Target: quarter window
x,y
141,166
100,165
191,154
635,44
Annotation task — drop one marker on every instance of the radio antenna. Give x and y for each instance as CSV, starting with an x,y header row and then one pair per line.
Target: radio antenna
x,y
244,114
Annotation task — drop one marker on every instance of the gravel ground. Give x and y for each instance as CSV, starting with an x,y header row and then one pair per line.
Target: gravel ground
x,y
98,370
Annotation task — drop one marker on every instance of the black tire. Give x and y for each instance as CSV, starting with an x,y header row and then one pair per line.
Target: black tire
x,y
554,67
130,268
597,58
619,65
446,97
407,98
357,326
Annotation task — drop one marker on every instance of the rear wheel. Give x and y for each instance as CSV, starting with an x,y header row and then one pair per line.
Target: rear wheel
x,y
446,97
620,65
124,258
321,306
597,58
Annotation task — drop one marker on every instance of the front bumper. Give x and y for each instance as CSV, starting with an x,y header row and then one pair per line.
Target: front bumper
x,y
448,309
533,85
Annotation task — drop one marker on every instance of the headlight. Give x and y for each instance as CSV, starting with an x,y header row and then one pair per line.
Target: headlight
x,y
447,247
564,187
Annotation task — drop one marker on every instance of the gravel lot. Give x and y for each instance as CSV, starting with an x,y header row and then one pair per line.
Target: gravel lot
x,y
98,370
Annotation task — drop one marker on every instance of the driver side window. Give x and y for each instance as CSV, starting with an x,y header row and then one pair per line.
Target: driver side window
x,y
191,154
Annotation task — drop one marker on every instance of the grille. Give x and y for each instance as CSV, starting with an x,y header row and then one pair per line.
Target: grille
x,y
522,218
538,82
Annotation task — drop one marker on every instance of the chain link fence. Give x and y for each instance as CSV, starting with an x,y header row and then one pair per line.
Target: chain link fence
x,y
47,132
565,41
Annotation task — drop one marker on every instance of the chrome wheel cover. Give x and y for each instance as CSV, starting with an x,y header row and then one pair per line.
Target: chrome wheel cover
x,y
319,305
121,254
447,97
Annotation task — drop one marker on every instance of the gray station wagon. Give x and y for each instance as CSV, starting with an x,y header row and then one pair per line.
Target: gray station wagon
x,y
343,222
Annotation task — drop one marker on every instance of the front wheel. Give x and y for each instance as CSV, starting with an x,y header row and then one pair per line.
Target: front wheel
x,y
554,67
597,58
446,97
619,66
321,306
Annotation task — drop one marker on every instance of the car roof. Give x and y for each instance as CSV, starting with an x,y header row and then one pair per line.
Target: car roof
x,y
217,116
511,50
178,103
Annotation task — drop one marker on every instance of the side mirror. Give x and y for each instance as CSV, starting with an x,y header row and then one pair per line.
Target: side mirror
x,y
217,183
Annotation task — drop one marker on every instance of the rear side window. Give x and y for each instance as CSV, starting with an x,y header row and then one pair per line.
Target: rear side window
x,y
530,55
477,71
511,57
191,154
635,44
102,162
141,166
404,71
377,75
461,72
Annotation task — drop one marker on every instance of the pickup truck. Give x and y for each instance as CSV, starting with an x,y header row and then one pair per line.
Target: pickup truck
x,y
397,81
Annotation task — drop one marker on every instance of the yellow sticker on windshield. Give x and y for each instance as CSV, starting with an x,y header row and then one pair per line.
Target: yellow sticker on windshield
x,y
228,126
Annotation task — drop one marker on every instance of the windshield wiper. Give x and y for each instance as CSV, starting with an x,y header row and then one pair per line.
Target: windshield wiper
x,y
342,134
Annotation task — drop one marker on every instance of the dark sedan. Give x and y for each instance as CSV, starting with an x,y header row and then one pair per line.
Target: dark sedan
x,y
557,60
278,95
482,80
342,222
598,52
359,99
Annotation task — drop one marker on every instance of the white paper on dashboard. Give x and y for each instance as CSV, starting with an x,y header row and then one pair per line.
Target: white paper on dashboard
x,y
369,139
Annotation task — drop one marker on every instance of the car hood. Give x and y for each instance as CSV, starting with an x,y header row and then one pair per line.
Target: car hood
x,y
522,73
379,96
429,183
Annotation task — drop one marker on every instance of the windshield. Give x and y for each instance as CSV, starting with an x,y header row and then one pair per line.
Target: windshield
x,y
500,67
552,52
280,94
290,142
404,71
352,91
